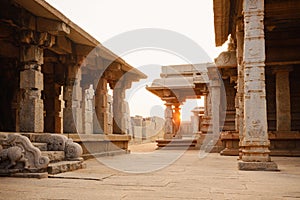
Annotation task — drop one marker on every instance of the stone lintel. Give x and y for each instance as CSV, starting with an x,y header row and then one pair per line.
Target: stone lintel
x,y
276,69
257,166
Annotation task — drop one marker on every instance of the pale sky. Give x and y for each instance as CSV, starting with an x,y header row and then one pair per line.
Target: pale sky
x,y
104,19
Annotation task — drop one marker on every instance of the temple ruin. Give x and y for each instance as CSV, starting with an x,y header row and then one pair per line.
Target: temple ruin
x,y
258,114
57,109
55,79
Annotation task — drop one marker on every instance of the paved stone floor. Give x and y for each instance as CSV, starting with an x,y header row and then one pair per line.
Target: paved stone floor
x,y
189,177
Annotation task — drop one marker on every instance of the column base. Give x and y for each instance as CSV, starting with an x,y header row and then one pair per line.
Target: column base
x,y
258,166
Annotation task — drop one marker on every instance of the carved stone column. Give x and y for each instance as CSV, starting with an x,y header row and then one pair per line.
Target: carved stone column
x,y
177,120
72,114
255,153
205,104
215,85
195,120
87,108
240,82
52,100
120,108
283,100
168,121
31,110
101,105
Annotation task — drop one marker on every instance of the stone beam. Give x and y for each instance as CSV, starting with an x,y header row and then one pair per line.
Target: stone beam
x,y
63,45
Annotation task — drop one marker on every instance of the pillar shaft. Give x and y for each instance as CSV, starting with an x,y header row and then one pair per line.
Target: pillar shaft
x,y
120,123
283,102
215,102
101,106
72,115
255,138
177,120
52,100
31,110
168,121
87,108
240,83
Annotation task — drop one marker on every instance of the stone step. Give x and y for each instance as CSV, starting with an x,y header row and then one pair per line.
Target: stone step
x,y
54,156
176,143
65,166
40,146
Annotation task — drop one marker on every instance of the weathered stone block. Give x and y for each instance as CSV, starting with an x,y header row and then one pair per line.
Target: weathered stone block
x,y
54,156
257,166
31,78
32,54
31,115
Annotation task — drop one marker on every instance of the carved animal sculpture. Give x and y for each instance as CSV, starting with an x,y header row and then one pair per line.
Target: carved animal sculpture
x,y
14,154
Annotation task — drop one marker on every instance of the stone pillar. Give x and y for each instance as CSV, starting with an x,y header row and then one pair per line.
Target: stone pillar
x,y
72,114
208,105
119,110
283,101
195,120
177,120
87,108
255,153
52,101
240,82
168,121
205,104
31,110
215,101
215,84
101,106
110,115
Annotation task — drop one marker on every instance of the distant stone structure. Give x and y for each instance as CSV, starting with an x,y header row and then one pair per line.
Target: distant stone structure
x,y
181,82
147,129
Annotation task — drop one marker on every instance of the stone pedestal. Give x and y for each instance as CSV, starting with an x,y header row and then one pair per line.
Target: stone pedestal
x,y
283,101
168,121
31,110
255,153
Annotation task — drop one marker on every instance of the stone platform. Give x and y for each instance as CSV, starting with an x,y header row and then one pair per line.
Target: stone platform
x,y
96,145
281,143
177,143
213,177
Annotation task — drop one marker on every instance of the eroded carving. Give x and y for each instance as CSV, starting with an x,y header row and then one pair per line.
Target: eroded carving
x,y
72,150
17,152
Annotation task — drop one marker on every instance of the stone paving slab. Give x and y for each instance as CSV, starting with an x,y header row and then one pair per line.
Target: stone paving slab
x,y
213,177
